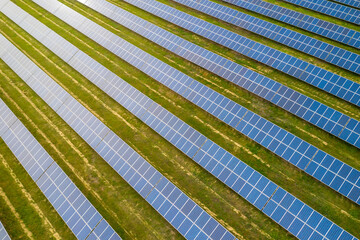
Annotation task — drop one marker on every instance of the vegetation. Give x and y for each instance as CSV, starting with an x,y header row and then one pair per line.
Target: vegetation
x,y
120,205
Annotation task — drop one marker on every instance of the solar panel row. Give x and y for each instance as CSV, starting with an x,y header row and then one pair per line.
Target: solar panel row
x,y
3,234
323,79
352,3
324,51
73,207
300,20
251,185
244,180
292,101
334,173
176,207
330,8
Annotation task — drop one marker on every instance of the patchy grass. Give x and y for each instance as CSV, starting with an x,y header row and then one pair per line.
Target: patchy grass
x,y
120,205
129,214
24,210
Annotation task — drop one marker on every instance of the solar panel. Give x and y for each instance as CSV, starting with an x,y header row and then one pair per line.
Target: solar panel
x,y
3,3
176,207
247,182
73,207
319,49
300,20
323,79
3,234
166,124
352,3
279,141
330,8
306,108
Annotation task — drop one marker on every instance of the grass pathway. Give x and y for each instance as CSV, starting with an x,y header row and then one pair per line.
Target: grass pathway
x,y
223,204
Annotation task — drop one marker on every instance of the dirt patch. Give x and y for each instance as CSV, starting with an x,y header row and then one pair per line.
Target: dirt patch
x,y
312,135
233,142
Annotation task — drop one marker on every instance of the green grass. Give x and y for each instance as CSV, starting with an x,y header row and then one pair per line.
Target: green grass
x,y
235,207
119,204
241,96
24,201
242,218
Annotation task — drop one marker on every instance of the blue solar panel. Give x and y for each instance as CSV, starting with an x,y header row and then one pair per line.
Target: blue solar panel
x,y
73,207
144,178
290,148
323,79
301,220
237,175
292,101
306,22
352,3
301,42
330,8
3,234
165,197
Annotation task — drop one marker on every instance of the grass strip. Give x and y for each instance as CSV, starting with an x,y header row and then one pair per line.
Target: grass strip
x,y
193,115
